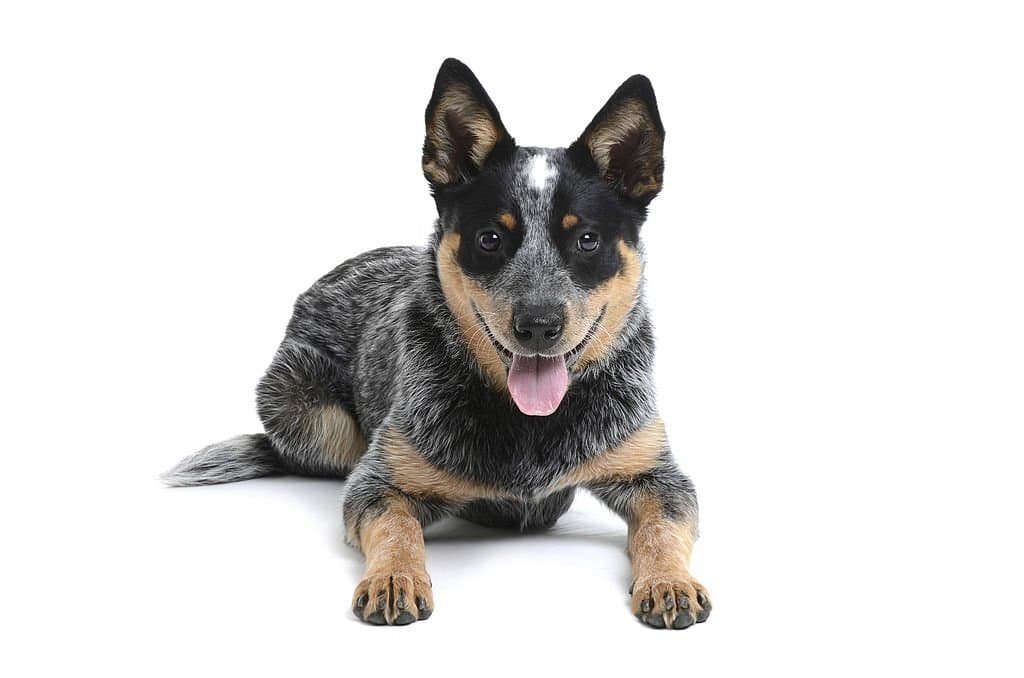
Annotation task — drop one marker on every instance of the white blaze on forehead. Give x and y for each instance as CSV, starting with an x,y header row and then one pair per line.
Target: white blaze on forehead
x,y
540,171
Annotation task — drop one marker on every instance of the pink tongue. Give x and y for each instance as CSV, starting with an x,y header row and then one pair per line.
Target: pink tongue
x,y
538,384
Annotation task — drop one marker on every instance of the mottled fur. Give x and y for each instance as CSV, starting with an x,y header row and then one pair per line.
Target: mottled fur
x,y
392,370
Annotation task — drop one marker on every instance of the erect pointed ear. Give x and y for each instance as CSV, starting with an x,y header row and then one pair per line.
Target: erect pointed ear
x,y
464,129
625,140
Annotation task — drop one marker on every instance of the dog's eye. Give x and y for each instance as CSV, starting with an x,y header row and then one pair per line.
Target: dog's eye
x,y
588,242
489,241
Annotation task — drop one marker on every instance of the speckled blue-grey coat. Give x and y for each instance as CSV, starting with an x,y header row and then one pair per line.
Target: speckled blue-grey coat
x,y
493,372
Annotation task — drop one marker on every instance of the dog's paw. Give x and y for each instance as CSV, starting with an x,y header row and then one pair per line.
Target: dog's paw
x,y
670,602
393,598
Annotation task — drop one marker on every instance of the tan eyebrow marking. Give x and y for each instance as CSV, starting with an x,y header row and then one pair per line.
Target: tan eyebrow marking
x,y
508,221
569,221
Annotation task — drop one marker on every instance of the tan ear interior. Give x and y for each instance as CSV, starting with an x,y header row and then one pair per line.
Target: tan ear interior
x,y
627,147
458,117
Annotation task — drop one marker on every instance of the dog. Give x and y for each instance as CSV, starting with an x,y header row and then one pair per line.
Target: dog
x,y
494,372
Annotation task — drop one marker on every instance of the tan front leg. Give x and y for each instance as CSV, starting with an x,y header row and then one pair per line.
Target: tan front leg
x,y
395,589
639,480
382,519
665,595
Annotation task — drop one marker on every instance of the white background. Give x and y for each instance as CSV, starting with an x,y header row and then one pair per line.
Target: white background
x,y
835,272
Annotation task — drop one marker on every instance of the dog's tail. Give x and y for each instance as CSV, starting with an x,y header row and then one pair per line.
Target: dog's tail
x,y
234,459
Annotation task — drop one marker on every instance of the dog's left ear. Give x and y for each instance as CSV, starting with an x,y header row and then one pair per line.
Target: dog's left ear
x,y
464,129
625,140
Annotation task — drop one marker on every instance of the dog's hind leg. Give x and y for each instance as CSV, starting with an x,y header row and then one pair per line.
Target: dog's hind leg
x,y
308,431
299,401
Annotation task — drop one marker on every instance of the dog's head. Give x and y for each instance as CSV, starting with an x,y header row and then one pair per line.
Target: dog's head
x,y
537,254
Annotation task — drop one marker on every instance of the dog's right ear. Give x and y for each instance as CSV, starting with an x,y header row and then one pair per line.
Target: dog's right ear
x,y
624,142
464,129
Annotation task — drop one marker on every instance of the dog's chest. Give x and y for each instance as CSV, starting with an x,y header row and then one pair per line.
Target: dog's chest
x,y
526,457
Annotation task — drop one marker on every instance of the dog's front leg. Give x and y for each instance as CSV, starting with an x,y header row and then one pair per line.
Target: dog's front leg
x,y
641,482
395,588
385,522
391,495
664,592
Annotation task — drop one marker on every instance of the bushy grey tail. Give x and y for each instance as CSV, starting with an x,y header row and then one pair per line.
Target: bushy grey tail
x,y
231,460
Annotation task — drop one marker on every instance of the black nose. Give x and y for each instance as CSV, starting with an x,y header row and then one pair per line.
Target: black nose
x,y
538,327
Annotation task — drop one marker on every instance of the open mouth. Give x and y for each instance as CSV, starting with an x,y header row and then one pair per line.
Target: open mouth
x,y
570,356
538,383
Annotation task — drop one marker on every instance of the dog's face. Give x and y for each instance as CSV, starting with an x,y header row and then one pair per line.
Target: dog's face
x,y
538,253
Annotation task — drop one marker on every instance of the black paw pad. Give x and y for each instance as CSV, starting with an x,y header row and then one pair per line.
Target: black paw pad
x,y
684,619
654,620
421,605
360,605
705,606
404,618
